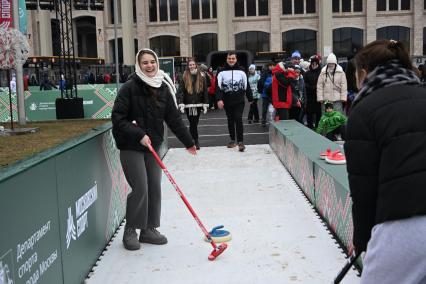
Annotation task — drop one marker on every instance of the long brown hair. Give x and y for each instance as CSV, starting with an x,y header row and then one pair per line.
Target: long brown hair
x,y
379,52
187,79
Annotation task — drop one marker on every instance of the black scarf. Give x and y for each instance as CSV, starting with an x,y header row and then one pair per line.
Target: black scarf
x,y
389,74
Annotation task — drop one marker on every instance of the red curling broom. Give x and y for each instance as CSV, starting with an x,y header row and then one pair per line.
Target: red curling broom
x,y
217,249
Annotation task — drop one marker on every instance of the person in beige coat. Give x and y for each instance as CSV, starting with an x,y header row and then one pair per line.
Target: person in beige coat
x,y
332,85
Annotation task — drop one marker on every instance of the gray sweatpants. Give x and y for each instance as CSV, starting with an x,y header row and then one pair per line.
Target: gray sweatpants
x,y
144,177
396,253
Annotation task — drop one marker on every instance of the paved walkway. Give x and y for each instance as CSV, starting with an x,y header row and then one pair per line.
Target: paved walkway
x,y
277,238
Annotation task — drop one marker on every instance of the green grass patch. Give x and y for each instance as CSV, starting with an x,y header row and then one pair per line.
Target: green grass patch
x,y
52,133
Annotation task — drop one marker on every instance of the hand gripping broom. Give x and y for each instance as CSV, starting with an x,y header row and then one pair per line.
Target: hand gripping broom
x,y
217,249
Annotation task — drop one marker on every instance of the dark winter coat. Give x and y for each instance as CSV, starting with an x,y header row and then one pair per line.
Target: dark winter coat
x,y
311,80
196,99
232,86
148,107
386,158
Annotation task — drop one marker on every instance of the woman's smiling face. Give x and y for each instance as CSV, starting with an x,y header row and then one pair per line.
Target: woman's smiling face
x,y
148,65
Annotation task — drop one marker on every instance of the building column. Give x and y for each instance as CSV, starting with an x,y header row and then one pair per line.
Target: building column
x,y
184,36
127,30
275,36
370,33
223,22
101,39
417,42
45,33
325,38
142,15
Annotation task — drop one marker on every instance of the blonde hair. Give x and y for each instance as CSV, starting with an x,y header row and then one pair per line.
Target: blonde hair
x,y
187,80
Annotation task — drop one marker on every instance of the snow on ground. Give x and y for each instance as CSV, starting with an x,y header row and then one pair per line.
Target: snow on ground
x,y
277,238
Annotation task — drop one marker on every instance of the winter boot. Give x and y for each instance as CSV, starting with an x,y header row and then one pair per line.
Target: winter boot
x,y
231,144
241,147
130,239
152,236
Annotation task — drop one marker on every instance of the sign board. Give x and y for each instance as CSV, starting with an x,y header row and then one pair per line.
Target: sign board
x,y
6,14
168,66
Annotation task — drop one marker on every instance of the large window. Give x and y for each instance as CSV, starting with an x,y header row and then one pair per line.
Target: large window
x,y
203,9
393,5
357,5
239,8
405,4
152,10
195,9
165,45
112,50
202,44
347,6
381,5
251,8
287,7
168,10
302,40
395,32
263,7
111,12
299,7
252,41
347,41
336,6
310,6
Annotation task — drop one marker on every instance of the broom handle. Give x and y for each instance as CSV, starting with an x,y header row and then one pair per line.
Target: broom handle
x,y
172,181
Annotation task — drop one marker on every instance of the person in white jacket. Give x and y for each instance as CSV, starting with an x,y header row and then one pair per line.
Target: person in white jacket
x,y
332,85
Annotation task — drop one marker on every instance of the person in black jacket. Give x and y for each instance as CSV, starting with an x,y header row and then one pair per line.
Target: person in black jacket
x,y
143,103
232,86
313,107
385,153
192,97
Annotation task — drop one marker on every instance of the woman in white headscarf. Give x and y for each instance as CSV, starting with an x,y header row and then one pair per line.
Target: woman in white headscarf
x,y
143,103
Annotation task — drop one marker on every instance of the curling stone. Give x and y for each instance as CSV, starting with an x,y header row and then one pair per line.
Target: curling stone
x,y
219,236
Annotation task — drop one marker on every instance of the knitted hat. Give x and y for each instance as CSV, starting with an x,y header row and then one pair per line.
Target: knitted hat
x,y
315,59
203,67
296,54
331,59
252,67
328,105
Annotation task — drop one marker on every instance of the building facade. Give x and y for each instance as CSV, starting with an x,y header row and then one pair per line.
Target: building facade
x,y
196,27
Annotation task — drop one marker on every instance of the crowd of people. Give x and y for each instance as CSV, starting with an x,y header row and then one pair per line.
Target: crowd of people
x,y
377,106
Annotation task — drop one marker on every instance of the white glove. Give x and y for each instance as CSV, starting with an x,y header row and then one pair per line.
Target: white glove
x,y
204,109
182,108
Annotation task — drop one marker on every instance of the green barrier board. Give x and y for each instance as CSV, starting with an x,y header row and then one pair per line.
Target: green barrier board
x,y
30,251
325,185
98,101
60,208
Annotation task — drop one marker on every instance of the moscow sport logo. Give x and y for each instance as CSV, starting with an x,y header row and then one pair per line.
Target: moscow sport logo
x,y
71,234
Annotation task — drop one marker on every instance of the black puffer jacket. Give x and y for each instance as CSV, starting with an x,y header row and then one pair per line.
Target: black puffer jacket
x,y
198,99
311,80
149,108
386,158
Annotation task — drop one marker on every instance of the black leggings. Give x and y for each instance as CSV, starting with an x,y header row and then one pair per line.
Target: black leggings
x,y
254,111
235,121
340,130
193,123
